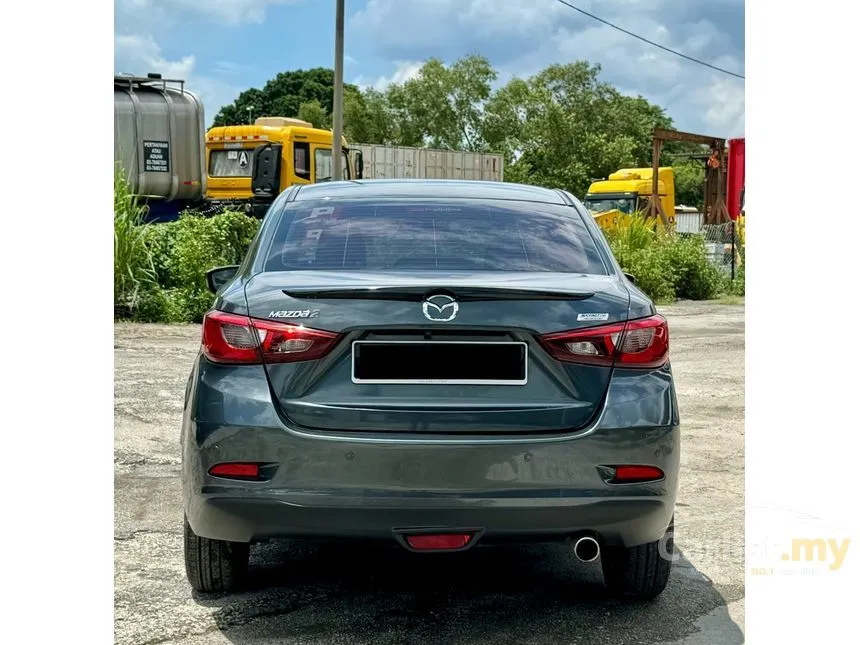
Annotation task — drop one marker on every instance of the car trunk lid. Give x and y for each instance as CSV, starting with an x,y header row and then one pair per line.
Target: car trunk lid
x,y
436,352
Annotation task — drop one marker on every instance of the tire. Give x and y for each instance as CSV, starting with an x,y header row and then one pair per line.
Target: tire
x,y
214,566
639,572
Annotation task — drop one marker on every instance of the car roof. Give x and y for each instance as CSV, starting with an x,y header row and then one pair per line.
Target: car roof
x,y
440,188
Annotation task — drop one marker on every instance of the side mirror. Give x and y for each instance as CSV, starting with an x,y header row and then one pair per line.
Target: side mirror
x,y
630,277
217,278
359,164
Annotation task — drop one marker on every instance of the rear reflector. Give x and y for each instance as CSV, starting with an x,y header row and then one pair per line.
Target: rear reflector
x,y
438,542
230,338
637,343
236,470
631,474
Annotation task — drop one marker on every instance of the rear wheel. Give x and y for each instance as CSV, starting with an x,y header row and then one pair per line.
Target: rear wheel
x,y
639,572
214,565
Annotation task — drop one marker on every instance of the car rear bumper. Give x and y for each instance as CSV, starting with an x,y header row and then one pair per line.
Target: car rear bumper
x,y
627,521
521,487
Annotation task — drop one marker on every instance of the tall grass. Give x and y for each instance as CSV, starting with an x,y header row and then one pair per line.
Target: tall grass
x,y
629,237
133,269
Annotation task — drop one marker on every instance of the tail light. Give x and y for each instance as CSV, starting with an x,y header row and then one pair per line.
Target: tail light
x,y
230,338
636,343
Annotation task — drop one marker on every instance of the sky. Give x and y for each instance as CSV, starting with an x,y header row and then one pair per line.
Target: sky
x,y
222,47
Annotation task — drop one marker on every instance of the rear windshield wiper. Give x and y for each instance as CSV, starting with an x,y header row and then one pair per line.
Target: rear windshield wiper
x,y
419,293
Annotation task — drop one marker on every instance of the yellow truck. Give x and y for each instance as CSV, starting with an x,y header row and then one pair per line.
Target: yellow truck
x,y
626,191
248,166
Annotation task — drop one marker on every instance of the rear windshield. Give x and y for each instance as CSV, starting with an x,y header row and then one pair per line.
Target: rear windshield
x,y
230,163
421,235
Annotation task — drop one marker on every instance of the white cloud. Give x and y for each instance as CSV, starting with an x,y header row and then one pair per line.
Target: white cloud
x,y
521,38
140,55
403,71
231,12
137,51
143,55
427,26
723,102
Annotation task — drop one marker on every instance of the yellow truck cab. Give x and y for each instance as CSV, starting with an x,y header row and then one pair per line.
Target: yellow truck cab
x,y
626,192
249,165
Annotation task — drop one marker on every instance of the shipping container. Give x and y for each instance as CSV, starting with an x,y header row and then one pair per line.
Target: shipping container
x,y
159,131
401,162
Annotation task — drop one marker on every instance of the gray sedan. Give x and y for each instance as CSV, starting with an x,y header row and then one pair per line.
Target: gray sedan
x,y
440,365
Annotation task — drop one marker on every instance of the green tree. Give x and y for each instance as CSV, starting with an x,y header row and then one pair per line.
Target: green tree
x,y
237,112
443,106
689,183
284,96
563,127
407,127
506,115
368,118
314,113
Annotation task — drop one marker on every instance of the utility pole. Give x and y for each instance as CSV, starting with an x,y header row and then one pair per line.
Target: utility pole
x,y
337,111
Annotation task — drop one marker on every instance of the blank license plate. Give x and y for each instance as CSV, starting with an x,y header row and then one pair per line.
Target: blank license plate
x,y
445,362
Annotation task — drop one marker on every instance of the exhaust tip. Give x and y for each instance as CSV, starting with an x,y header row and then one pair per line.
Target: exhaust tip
x,y
586,549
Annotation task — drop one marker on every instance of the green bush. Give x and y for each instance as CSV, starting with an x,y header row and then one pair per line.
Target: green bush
x,y
693,275
188,304
202,243
152,306
737,287
179,305
160,239
160,269
653,273
666,266
638,249
219,240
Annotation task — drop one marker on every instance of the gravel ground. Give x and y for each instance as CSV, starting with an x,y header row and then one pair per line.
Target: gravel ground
x,y
327,596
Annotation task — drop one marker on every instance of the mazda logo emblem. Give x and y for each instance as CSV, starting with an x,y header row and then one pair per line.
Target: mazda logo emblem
x,y
440,308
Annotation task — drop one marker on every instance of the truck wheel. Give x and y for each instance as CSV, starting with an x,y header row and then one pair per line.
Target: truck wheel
x,y
639,572
214,565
